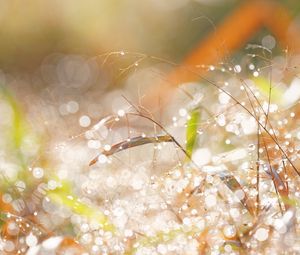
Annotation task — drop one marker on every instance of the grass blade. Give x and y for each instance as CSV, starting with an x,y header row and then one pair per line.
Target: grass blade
x,y
191,131
133,142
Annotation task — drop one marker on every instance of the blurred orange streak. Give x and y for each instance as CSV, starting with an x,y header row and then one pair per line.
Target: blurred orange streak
x,y
5,207
231,35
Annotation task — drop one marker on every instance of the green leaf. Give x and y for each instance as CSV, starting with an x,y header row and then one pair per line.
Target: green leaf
x,y
191,131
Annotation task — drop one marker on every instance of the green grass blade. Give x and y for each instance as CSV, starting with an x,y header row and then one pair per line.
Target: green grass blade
x,y
191,131
64,196
264,87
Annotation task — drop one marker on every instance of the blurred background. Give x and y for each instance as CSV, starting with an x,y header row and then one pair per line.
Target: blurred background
x,y
169,28
164,28
49,49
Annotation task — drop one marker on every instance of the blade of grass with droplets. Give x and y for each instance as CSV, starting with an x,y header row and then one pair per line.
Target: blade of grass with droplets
x,y
18,126
64,196
231,182
133,142
280,186
228,179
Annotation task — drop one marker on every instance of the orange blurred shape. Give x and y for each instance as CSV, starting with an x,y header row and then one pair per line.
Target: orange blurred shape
x,y
229,36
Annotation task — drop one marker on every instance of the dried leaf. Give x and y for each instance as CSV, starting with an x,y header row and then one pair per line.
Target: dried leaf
x,y
133,142
231,182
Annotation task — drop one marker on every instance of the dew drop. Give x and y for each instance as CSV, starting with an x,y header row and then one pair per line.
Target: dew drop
x,y
261,234
84,121
255,74
6,198
237,68
251,66
229,231
9,246
182,112
121,113
31,240
102,159
251,147
107,147
72,107
38,172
